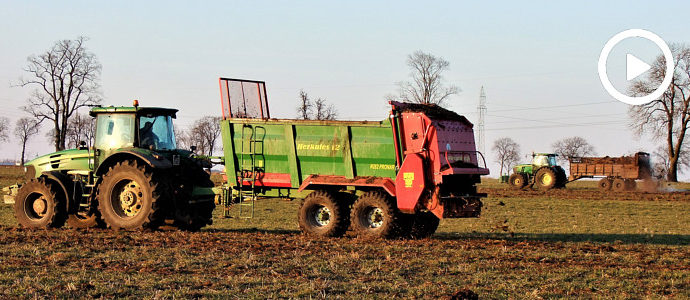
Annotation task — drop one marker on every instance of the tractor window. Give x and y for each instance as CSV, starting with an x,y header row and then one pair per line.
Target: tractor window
x,y
552,161
156,131
114,131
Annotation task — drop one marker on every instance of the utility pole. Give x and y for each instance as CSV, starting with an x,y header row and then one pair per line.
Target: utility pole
x,y
481,111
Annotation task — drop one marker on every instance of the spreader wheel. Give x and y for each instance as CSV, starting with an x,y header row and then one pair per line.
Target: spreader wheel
x,y
605,184
517,180
375,214
618,185
322,214
545,179
37,205
424,225
128,197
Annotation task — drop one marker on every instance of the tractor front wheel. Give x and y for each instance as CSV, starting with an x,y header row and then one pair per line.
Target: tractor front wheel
x,y
545,179
321,214
128,197
37,205
375,214
517,180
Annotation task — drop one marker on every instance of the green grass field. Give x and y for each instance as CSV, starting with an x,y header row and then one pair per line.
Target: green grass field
x,y
521,247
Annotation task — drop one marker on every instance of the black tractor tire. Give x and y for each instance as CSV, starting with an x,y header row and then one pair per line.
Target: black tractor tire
x,y
424,225
517,180
40,204
375,214
545,179
561,177
322,214
129,197
199,212
605,184
619,185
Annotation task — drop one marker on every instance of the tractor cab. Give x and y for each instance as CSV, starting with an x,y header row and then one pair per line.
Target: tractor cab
x,y
133,127
544,159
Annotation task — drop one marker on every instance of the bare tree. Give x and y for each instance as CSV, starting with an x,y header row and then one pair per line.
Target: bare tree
x,y
575,146
65,79
324,110
80,128
304,109
662,163
182,138
319,109
24,130
668,117
427,85
507,152
204,134
4,127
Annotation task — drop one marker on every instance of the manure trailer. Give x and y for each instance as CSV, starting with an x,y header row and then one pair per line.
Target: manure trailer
x,y
396,177
618,173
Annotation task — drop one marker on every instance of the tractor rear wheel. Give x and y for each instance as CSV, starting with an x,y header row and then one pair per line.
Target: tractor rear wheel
x,y
321,214
619,185
129,195
38,205
545,179
517,180
375,214
605,184
194,214
561,177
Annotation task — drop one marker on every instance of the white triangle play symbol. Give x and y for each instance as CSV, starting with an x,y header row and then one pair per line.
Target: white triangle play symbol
x,y
634,67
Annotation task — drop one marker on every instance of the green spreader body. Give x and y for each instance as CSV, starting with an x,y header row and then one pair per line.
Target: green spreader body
x,y
422,156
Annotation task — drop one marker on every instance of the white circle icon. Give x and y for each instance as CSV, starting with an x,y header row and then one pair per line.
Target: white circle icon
x,y
635,66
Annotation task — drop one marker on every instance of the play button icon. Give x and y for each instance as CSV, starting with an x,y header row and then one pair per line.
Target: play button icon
x,y
634,67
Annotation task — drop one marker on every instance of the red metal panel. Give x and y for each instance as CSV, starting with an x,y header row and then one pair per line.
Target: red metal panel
x,y
332,180
270,180
410,182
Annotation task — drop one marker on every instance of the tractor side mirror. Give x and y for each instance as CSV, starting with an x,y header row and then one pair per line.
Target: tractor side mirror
x,y
193,148
82,145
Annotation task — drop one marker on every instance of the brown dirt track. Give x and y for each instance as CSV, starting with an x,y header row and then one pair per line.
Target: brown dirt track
x,y
589,194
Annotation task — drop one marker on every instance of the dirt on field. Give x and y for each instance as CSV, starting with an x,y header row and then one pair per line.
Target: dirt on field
x,y
101,263
590,194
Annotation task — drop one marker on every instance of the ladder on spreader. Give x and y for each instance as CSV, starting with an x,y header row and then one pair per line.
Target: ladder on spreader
x,y
251,165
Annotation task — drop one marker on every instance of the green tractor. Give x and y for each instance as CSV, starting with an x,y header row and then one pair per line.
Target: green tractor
x,y
543,172
134,177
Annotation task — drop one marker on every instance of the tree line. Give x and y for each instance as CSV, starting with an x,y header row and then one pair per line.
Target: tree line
x,y
66,79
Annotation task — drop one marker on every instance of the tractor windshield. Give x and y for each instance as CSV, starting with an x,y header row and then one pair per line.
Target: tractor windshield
x,y
552,161
156,131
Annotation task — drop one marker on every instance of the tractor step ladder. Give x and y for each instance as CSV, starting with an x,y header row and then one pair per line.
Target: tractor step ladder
x,y
251,165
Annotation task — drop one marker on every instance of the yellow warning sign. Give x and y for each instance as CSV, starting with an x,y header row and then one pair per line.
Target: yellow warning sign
x,y
409,178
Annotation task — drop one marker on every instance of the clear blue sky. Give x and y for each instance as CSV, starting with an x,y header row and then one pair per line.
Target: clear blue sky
x,y
532,54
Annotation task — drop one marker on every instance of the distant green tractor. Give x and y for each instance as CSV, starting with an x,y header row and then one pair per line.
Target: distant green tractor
x,y
133,177
543,172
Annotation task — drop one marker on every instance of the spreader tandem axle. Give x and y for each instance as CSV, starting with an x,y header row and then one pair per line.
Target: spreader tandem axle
x,y
393,178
